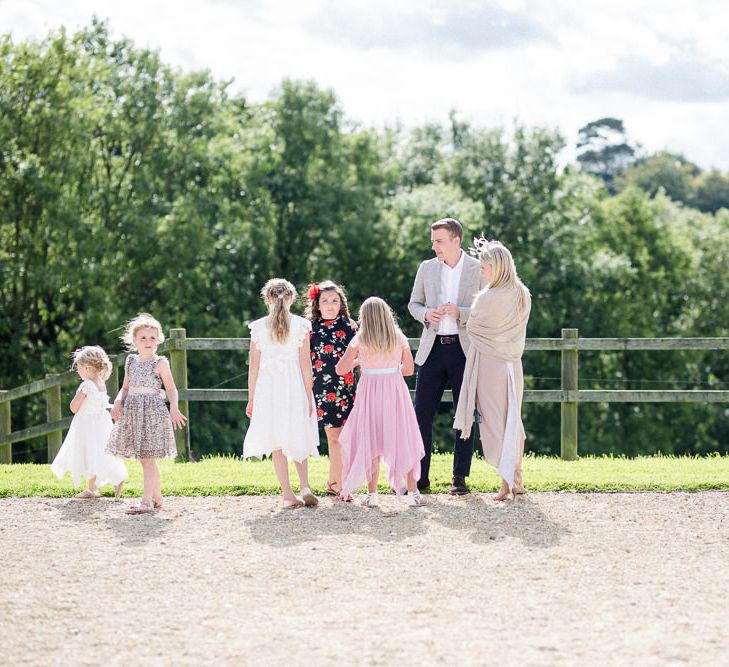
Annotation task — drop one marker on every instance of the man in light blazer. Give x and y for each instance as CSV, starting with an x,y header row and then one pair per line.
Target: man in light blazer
x,y
441,299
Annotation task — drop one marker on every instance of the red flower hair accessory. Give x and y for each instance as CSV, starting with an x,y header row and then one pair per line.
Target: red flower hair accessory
x,y
313,291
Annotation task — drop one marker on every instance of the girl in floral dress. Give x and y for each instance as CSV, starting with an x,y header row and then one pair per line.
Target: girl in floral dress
x,y
143,425
331,331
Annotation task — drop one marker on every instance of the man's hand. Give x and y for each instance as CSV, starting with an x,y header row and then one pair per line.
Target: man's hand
x,y
451,309
434,316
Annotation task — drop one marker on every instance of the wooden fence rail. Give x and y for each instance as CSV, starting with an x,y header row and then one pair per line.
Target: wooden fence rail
x,y
569,396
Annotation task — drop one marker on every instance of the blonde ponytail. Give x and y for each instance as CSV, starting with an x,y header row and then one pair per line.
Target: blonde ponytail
x,y
279,294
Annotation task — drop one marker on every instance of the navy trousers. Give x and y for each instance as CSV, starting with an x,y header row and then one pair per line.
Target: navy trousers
x,y
444,366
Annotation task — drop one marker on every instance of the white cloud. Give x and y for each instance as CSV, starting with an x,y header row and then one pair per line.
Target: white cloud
x,y
527,70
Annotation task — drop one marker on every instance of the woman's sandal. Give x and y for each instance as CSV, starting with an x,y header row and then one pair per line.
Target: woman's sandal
x,y
141,508
88,495
348,499
331,490
292,504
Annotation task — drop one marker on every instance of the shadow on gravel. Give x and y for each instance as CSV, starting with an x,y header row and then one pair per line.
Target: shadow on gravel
x,y
136,531
389,523
486,521
482,521
83,511
132,531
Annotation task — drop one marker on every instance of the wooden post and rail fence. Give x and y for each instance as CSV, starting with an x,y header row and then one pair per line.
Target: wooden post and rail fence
x,y
569,396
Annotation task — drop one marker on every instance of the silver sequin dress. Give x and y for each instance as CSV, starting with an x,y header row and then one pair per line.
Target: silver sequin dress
x,y
145,428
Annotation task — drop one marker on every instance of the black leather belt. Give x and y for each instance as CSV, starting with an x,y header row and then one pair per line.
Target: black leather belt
x,y
446,340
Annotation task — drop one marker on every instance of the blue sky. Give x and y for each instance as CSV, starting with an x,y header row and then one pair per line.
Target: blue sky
x,y
663,67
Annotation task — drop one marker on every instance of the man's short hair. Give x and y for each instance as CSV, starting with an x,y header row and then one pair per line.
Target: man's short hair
x,y
451,224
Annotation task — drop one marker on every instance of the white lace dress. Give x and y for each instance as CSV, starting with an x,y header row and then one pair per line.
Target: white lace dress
x,y
82,453
281,418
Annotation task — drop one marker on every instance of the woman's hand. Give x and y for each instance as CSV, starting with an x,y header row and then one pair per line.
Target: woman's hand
x,y
249,409
178,419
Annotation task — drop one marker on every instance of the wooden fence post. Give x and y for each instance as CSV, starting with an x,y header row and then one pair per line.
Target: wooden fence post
x,y
53,414
178,363
6,451
568,433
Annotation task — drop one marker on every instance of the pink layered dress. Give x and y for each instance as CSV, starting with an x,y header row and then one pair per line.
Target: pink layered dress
x,y
382,422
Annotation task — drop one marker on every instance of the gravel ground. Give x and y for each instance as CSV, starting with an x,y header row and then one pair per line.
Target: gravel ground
x,y
552,579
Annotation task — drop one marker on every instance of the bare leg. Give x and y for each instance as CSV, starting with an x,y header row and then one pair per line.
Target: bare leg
x,y
156,484
335,458
151,477
411,483
310,500
302,470
374,477
281,467
503,493
91,485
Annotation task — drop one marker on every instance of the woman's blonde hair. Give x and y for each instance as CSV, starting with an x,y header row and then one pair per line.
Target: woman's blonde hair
x,y
141,321
279,294
378,330
94,357
498,256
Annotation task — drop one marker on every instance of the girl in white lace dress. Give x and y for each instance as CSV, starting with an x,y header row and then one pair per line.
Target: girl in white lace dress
x,y
280,399
143,426
82,453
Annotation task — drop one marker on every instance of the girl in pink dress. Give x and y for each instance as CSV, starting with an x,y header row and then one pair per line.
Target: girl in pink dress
x,y
382,424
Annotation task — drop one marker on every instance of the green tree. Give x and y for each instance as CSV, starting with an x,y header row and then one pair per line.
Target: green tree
x,y
604,149
711,191
672,173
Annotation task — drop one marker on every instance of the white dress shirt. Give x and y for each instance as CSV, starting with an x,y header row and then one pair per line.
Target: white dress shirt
x,y
450,280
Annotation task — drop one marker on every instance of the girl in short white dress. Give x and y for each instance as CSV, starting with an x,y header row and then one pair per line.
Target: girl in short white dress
x,y
280,399
82,453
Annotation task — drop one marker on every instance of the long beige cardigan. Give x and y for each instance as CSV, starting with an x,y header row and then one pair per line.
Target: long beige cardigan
x,y
497,329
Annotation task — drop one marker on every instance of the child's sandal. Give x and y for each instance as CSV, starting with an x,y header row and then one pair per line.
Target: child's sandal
x,y
370,500
417,499
88,495
310,500
141,508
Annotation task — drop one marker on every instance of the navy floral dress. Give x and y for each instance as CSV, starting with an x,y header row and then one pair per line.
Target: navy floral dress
x,y
334,394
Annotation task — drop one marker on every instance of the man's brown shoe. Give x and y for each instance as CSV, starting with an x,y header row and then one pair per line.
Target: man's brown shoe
x,y
458,486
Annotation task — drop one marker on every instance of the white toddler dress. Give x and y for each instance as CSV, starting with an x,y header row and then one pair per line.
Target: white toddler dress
x,y
281,418
82,453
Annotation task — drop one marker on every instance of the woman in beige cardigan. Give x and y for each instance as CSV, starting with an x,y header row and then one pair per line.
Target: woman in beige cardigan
x,y
493,381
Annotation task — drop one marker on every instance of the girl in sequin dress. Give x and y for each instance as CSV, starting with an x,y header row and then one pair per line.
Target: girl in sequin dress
x,y
143,428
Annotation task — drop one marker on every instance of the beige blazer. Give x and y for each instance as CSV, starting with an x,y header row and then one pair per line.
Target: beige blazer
x,y
426,295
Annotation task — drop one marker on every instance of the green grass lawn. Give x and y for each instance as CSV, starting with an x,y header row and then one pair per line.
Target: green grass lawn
x,y
220,476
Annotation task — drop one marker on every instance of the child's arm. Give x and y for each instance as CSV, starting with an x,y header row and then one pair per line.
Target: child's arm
x,y
407,365
77,400
163,370
347,363
306,373
254,363
118,408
